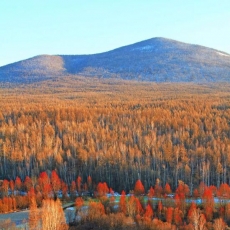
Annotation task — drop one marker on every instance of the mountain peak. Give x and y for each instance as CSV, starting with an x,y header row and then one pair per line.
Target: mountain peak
x,y
157,59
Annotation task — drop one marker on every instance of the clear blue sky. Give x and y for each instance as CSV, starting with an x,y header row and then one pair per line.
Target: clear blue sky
x,y
33,27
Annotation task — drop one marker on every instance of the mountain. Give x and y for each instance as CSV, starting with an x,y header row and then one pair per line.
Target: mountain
x,y
33,69
156,59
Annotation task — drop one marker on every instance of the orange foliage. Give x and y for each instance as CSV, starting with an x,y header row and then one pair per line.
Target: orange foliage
x,y
191,210
96,210
224,191
78,203
177,216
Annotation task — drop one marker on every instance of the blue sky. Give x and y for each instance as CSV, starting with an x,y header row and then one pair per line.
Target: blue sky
x,y
33,27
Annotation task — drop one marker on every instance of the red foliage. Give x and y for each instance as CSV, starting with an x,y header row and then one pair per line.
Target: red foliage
x,y
139,188
5,204
78,184
213,189
138,218
224,191
64,188
39,198
55,181
106,188
148,211
5,187
158,190
28,183
102,189
169,215
12,185
208,213
182,190
177,200
47,189
111,191
78,203
167,189
31,193
89,182
101,208
122,203
202,188
159,207
18,183
196,193
44,177
139,208
222,211
207,195
191,209
208,203
177,216
43,180
151,192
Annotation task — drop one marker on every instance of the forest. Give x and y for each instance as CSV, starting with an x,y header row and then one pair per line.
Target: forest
x,y
96,206
116,133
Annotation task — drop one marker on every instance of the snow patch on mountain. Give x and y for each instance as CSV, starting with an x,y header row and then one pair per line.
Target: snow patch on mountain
x,y
227,55
144,48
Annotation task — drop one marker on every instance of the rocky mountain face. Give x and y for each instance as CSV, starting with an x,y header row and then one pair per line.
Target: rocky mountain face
x,y
156,59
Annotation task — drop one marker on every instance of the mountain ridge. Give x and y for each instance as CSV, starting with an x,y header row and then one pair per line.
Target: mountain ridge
x,y
156,59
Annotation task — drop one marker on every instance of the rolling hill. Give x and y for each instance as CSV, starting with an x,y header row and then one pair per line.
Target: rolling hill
x,y
156,59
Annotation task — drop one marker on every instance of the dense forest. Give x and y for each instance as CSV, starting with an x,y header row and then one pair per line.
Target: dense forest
x,y
82,138
167,138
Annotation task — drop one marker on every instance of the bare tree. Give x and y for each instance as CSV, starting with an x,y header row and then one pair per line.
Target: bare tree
x,y
52,215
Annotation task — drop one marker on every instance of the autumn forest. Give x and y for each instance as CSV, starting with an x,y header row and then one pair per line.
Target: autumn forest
x,y
163,136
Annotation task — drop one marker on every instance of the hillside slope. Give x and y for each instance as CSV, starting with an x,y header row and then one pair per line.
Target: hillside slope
x,y
156,59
